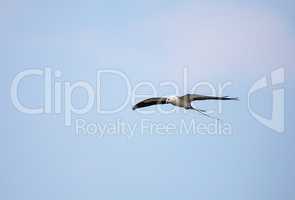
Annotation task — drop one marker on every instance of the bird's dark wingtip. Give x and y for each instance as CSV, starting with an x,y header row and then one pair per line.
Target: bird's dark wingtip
x,y
231,98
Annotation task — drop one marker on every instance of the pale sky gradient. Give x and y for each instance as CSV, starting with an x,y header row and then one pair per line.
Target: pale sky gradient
x,y
238,41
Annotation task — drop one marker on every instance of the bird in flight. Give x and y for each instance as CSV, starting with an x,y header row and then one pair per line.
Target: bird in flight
x,y
181,101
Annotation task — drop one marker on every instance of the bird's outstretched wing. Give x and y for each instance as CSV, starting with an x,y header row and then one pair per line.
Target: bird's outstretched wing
x,y
150,102
197,97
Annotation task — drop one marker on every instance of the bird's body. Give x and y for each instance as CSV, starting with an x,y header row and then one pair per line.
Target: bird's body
x,y
176,101
180,101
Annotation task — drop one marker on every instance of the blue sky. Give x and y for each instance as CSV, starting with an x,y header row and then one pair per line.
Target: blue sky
x,y
153,41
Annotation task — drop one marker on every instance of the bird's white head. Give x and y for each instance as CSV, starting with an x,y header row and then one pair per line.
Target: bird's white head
x,y
171,99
